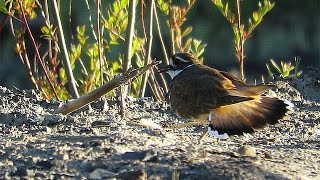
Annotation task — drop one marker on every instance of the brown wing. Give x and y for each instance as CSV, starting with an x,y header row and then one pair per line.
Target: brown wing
x,y
249,115
243,89
199,89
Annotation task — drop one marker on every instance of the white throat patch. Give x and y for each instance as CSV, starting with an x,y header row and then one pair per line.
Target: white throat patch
x,y
174,73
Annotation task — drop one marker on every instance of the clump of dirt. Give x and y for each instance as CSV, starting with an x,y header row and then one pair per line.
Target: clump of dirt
x,y
35,143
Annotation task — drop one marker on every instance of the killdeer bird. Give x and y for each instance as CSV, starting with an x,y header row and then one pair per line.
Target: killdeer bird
x,y
207,96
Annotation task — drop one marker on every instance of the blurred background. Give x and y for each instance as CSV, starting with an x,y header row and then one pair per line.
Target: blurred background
x,y
291,29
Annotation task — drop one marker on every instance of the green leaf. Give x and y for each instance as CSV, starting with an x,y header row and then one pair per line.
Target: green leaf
x,y
124,4
219,4
3,7
269,72
275,65
298,73
115,66
163,6
202,47
186,32
255,16
81,30
45,30
226,10
116,8
187,45
285,74
262,79
82,38
62,75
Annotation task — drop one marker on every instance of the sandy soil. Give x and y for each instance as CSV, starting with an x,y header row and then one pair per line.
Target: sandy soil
x,y
35,143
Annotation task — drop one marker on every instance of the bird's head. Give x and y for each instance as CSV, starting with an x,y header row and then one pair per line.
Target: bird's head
x,y
178,62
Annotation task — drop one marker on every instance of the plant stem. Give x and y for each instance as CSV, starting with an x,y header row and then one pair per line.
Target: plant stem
x,y
99,41
71,81
165,86
127,56
90,20
156,91
164,83
240,54
130,34
147,58
27,66
47,17
142,6
171,24
36,49
186,11
160,35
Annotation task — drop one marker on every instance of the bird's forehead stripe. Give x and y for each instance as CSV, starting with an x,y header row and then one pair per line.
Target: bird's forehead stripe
x,y
181,59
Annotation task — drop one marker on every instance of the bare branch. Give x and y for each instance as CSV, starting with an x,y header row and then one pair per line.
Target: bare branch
x,y
120,79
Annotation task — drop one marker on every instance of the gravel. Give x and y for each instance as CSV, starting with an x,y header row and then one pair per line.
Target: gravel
x,y
98,144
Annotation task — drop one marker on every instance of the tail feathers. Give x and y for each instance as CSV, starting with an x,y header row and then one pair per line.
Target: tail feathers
x,y
248,115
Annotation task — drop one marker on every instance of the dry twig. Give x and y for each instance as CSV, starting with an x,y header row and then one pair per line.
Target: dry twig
x,y
119,80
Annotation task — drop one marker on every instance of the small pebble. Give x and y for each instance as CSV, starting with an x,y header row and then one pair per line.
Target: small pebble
x,y
247,151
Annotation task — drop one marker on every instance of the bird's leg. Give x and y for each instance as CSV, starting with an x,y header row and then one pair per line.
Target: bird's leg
x,y
209,118
206,132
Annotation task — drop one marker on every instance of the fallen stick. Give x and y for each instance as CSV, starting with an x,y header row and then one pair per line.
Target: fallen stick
x,y
102,90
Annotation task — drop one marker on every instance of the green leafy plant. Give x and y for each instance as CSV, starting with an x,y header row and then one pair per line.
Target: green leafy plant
x,y
180,37
242,31
84,52
98,50
284,70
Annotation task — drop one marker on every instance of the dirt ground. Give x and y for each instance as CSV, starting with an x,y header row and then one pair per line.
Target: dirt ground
x,y
37,144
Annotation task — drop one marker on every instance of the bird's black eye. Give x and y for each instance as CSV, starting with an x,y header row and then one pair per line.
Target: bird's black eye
x,y
175,60
180,59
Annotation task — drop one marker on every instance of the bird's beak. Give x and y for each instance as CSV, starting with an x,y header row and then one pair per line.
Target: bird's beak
x,y
165,69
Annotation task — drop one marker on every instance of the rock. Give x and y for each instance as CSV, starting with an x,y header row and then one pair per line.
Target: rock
x,y
142,155
132,175
100,123
19,171
247,151
53,119
47,130
268,155
100,174
46,165
93,144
